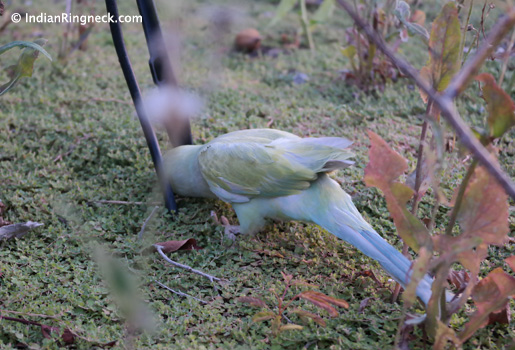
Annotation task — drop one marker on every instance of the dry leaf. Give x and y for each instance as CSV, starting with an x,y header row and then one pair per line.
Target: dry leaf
x,y
173,246
363,304
459,279
17,230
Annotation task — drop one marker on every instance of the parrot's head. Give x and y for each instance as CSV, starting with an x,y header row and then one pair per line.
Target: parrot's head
x,y
181,168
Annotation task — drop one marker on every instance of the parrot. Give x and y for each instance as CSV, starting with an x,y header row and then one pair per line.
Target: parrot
x,y
268,174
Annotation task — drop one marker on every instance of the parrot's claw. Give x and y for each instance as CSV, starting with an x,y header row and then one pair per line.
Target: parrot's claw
x,y
231,231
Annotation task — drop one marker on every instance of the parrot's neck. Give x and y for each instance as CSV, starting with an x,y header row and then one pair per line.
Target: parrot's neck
x,y
183,171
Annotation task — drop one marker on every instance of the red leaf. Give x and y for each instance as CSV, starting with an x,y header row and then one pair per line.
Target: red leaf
x,y
383,169
484,212
511,262
490,295
68,337
323,301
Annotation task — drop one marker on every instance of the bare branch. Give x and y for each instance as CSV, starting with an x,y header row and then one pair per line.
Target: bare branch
x,y
180,293
106,201
140,234
460,81
186,267
445,102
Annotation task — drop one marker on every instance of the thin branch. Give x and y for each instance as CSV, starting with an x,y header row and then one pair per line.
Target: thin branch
x,y
140,234
445,103
32,315
460,81
186,267
465,29
420,160
180,293
104,201
507,56
459,197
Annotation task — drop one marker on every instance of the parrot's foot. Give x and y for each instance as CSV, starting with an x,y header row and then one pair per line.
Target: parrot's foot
x,y
231,231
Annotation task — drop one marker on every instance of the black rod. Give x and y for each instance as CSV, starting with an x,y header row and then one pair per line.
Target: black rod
x,y
150,136
160,66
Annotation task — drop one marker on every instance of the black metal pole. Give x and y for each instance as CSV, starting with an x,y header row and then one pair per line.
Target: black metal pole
x,y
159,62
135,92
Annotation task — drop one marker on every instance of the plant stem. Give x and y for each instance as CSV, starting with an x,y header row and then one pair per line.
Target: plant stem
x,y
506,58
459,198
418,181
182,266
420,160
305,24
458,84
465,29
358,47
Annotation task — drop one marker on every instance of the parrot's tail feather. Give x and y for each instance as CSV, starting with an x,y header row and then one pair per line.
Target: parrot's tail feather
x,y
345,222
395,264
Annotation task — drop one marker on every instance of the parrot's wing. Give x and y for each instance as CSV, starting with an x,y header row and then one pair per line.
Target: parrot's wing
x,y
238,169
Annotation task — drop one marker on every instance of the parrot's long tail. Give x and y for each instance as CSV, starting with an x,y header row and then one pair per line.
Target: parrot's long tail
x,y
342,219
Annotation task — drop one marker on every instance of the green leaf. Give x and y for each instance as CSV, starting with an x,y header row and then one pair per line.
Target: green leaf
x,y
349,52
25,65
444,49
324,12
263,316
305,314
501,109
36,45
417,29
290,327
402,11
283,8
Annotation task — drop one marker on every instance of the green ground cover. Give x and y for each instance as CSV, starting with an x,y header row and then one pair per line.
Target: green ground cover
x,y
69,138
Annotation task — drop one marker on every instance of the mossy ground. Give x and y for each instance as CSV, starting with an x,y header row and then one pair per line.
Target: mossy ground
x,y
69,138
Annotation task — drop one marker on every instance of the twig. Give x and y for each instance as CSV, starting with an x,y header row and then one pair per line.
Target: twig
x,y
72,148
140,234
420,160
186,267
445,103
100,99
465,29
460,81
104,201
305,24
31,315
459,197
180,293
507,56
20,320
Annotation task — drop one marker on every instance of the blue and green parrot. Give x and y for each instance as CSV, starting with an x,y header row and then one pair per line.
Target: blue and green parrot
x,y
271,174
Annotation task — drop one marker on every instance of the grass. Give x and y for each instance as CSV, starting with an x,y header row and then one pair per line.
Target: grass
x,y
69,139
